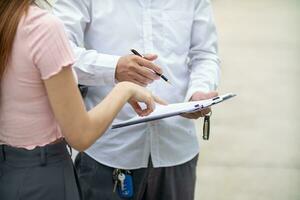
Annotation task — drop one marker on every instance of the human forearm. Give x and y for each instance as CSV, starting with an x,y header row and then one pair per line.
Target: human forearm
x,y
100,117
82,128
94,68
204,77
204,61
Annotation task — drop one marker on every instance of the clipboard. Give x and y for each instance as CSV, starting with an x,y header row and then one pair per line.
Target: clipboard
x,y
171,110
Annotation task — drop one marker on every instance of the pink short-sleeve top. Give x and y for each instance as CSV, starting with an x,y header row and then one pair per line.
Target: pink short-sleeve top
x,y
40,50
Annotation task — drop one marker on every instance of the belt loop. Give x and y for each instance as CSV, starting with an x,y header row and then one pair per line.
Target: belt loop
x,y
3,152
70,148
43,152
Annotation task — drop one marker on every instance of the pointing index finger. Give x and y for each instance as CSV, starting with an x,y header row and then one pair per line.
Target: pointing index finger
x,y
149,65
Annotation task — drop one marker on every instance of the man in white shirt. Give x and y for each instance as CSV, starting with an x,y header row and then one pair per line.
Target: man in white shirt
x,y
161,155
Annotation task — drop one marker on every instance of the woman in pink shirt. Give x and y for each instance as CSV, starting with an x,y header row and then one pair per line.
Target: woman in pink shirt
x,y
40,105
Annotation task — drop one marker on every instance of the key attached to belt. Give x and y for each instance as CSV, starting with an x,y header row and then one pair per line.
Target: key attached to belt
x,y
115,179
206,126
123,183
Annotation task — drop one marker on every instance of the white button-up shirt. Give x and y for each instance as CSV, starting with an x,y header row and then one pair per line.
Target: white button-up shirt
x,y
181,32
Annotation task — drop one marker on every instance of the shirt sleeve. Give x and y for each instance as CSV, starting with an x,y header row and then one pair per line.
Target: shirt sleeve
x,y
49,47
204,61
93,68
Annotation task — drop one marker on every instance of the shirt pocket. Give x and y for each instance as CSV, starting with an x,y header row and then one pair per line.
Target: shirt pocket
x,y
177,26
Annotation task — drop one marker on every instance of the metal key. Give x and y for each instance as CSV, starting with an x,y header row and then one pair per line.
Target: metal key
x,y
116,173
121,178
115,186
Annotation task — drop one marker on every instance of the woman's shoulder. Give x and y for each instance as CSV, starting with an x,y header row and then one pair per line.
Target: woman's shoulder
x,y
38,19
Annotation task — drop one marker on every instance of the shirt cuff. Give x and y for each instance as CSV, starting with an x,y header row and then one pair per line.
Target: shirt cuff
x,y
111,66
200,88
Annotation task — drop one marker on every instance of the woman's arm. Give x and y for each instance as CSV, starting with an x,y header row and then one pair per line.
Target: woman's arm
x,y
81,128
50,51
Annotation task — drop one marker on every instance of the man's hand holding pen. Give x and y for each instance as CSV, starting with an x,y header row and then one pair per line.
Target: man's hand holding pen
x,y
136,69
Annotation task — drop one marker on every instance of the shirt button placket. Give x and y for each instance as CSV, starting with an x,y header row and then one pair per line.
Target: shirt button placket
x,y
155,148
148,48
147,29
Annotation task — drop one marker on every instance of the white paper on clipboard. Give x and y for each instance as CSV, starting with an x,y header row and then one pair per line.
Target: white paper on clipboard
x,y
171,110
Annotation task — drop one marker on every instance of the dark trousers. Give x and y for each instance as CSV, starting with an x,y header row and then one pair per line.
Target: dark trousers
x,y
166,183
45,173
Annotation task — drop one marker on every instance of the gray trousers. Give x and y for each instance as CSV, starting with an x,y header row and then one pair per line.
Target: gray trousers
x,y
167,183
45,173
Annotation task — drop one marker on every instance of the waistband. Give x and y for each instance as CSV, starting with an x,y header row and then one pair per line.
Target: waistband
x,y
40,156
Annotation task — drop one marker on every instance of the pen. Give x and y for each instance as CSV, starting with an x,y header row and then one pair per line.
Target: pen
x,y
158,74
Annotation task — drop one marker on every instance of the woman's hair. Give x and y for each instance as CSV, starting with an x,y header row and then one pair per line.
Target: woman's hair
x,y
11,12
